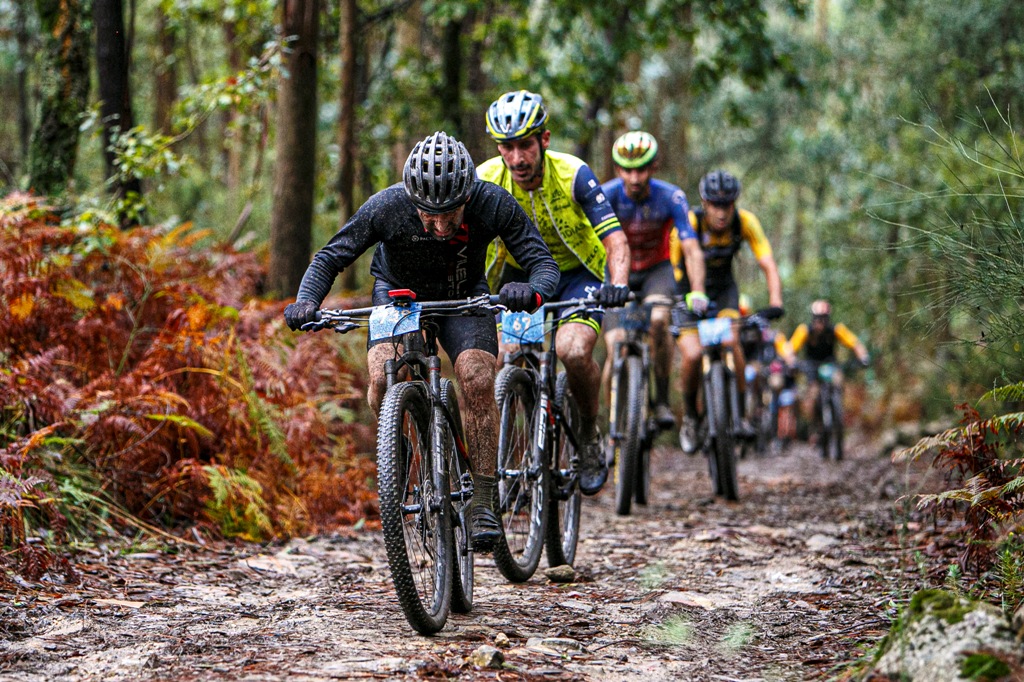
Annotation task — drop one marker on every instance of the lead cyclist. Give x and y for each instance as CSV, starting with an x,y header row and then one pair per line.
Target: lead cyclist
x,y
432,231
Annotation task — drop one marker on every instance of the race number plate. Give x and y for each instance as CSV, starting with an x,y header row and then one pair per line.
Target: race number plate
x,y
522,327
387,321
714,332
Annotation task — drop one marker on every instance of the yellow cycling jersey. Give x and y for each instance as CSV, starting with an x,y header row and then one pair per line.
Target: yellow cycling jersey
x,y
823,347
560,218
720,247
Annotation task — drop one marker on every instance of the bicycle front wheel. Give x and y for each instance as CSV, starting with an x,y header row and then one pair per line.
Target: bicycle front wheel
x,y
628,407
461,484
827,420
722,460
522,475
414,510
563,530
837,423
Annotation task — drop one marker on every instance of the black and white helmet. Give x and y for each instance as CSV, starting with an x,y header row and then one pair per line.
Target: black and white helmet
x,y
719,187
439,174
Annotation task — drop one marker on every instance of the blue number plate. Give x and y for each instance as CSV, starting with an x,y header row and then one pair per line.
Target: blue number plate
x,y
522,327
387,321
715,331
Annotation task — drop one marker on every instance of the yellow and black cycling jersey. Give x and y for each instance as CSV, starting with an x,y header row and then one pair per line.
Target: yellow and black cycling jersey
x,y
821,346
720,248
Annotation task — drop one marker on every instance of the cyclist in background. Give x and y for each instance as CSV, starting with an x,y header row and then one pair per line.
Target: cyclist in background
x,y
820,342
562,196
433,230
721,229
652,213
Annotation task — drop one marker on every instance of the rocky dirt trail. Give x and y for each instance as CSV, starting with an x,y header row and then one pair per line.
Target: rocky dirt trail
x,y
788,584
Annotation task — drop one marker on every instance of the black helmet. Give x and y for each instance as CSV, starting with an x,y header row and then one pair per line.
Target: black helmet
x,y
719,187
439,174
515,115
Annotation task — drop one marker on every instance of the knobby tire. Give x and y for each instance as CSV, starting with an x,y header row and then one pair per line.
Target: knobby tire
x,y
522,476
630,397
722,458
458,474
563,525
414,508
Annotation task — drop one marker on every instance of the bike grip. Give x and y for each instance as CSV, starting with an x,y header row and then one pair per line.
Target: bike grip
x,y
319,317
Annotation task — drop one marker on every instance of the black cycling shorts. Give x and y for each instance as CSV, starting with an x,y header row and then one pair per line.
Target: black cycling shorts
x,y
454,334
655,285
725,295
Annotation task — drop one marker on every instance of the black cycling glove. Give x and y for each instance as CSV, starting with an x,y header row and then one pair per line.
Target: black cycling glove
x,y
299,313
612,295
774,312
518,296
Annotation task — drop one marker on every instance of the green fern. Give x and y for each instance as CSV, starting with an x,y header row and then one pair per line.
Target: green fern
x,y
237,506
264,417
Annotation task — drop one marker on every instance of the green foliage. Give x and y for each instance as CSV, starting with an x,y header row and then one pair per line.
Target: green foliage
x,y
237,507
675,631
983,667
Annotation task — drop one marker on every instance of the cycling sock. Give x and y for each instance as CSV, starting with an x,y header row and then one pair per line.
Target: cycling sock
x,y
661,390
690,400
483,490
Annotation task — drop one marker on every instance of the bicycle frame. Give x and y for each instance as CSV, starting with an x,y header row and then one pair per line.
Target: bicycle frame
x,y
542,363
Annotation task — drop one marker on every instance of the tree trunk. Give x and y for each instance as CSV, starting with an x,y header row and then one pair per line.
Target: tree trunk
x,y
24,58
676,162
233,143
821,20
112,60
65,93
295,169
478,88
166,87
451,79
347,118
797,240
349,35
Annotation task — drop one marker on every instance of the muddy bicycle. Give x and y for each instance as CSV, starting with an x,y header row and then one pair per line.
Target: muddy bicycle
x,y
538,466
423,474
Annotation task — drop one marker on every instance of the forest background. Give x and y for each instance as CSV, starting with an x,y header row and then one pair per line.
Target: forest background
x,y
209,146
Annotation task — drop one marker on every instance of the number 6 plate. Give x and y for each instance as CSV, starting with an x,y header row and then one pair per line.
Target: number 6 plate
x,y
522,327
387,321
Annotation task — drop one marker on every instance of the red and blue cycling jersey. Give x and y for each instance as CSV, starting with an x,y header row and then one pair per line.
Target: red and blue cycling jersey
x,y
648,224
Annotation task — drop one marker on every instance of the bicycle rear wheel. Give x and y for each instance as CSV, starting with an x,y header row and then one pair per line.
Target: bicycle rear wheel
x,y
461,485
563,529
522,475
414,509
722,459
629,396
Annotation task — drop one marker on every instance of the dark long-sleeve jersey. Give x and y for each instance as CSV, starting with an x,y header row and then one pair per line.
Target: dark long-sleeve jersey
x,y
409,257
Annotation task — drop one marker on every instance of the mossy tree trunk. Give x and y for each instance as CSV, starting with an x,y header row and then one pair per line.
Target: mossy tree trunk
x,y
64,86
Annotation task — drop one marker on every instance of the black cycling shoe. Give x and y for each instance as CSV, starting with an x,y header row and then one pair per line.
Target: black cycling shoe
x,y
487,529
593,468
663,417
744,431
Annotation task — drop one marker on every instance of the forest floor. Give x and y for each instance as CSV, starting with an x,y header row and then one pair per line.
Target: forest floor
x,y
796,581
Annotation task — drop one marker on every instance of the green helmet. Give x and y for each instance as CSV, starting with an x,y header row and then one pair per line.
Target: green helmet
x,y
516,115
635,149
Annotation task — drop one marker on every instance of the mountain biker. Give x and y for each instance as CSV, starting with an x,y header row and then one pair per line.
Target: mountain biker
x,y
820,341
432,232
722,228
562,196
651,211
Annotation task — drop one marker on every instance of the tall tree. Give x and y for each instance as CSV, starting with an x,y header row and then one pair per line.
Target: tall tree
x,y
349,35
291,221
166,73
64,84
113,60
